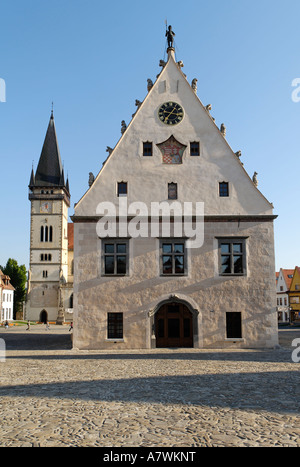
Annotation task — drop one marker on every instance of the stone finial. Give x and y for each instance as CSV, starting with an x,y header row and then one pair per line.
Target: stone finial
x,y
254,179
91,179
194,85
109,150
138,105
123,127
149,84
223,130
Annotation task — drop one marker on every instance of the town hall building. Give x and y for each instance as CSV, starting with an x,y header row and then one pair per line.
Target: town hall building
x,y
141,280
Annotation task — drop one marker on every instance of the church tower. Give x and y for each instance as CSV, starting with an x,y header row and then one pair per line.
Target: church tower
x,y
50,200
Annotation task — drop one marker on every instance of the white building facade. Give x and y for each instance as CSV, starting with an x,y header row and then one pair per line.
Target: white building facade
x,y
152,289
283,282
6,298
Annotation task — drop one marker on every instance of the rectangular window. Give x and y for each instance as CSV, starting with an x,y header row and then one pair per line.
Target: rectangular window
x,y
115,325
147,149
294,300
122,188
223,189
195,149
173,257
172,190
115,257
234,325
232,256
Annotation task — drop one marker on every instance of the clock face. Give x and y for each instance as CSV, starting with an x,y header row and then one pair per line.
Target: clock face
x,y
46,207
170,113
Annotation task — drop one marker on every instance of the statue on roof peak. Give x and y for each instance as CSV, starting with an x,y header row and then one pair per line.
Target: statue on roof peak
x,y
170,36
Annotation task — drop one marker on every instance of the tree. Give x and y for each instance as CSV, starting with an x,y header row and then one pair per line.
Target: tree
x,y
18,278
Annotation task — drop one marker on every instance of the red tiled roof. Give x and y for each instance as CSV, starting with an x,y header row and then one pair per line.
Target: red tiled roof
x,y
288,280
2,283
71,236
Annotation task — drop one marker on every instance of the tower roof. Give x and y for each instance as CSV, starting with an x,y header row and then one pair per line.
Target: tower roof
x,y
50,171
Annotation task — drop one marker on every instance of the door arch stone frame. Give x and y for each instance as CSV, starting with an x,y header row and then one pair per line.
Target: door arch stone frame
x,y
191,306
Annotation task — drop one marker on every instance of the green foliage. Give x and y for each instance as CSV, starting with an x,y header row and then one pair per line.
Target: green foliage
x,y
18,278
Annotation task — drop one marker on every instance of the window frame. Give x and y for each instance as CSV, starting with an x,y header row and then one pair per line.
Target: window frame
x,y
119,194
112,321
230,330
174,186
194,149
147,149
222,191
115,255
231,241
173,254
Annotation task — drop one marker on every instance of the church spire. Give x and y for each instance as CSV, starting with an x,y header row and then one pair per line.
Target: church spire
x,y
49,172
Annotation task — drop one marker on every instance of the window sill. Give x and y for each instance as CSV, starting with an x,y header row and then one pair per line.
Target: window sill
x,y
173,275
114,340
234,339
233,275
114,275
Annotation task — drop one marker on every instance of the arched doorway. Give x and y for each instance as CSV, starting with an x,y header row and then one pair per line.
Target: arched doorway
x,y
44,317
174,326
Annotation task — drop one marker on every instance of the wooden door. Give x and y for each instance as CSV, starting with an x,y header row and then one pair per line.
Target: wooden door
x,y
174,326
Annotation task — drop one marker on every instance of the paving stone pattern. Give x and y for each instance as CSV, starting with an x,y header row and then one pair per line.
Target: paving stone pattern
x,y
51,395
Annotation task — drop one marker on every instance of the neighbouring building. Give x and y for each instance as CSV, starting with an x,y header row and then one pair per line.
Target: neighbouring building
x,y
146,284
6,298
50,281
294,295
283,281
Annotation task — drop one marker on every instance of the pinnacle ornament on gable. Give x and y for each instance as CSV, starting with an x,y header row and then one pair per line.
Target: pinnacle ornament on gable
x,y
91,179
149,84
123,127
194,85
223,130
254,179
138,105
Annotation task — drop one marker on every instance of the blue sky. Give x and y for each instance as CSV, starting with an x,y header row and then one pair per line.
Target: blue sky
x,y
93,58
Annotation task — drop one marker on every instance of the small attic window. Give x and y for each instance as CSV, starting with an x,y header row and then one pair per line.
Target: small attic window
x,y
122,188
195,149
147,149
223,189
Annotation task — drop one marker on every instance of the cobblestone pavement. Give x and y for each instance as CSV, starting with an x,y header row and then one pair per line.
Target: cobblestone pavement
x,y
51,395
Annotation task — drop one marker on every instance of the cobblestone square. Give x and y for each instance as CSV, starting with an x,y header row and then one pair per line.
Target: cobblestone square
x,y
52,395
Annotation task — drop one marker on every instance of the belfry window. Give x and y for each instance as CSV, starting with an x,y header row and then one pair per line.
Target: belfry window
x,y
46,234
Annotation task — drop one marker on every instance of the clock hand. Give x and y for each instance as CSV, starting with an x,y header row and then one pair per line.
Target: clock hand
x,y
170,114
